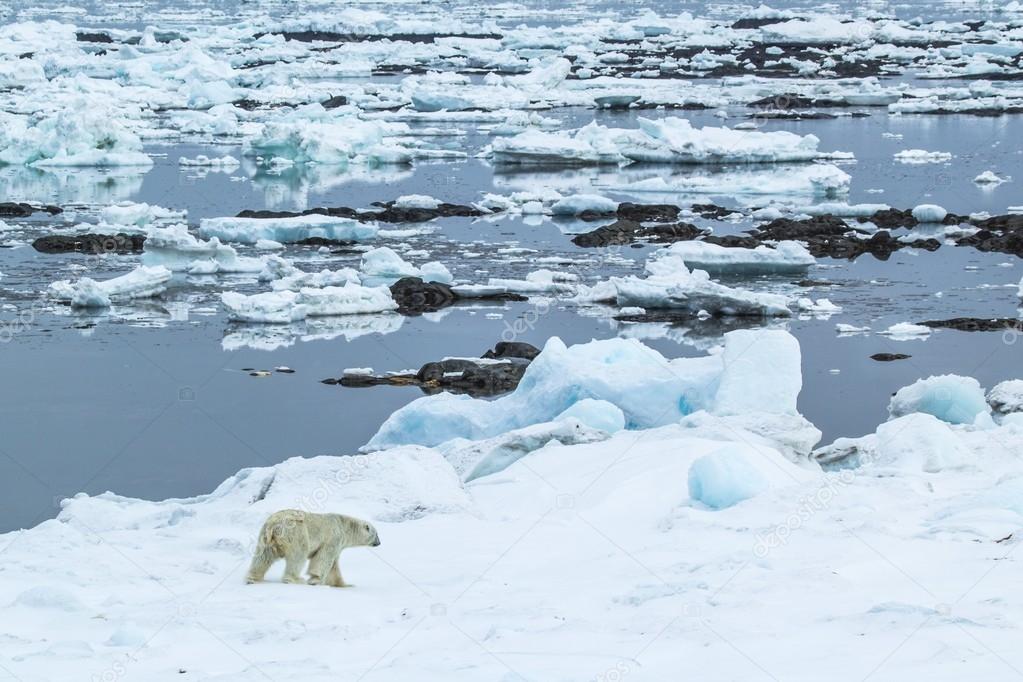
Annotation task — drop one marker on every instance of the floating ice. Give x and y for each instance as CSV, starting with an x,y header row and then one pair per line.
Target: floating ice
x,y
584,203
177,249
670,284
921,156
929,213
989,178
825,180
785,257
293,229
284,307
80,135
383,263
129,213
669,140
142,282
416,201
949,397
906,331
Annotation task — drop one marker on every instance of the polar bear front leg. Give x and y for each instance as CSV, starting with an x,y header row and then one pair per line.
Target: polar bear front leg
x,y
334,578
320,562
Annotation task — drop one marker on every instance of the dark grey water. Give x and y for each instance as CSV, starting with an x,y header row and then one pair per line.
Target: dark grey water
x,y
150,400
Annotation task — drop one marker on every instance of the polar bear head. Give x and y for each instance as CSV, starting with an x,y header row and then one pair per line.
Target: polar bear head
x,y
363,533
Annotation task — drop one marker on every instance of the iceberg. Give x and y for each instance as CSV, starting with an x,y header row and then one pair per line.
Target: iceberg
x,y
142,282
284,230
649,389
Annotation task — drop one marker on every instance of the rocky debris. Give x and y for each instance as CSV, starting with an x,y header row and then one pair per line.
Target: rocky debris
x,y
797,115
894,218
793,101
415,297
711,211
752,22
827,235
497,371
1003,234
11,209
334,102
807,283
639,213
733,241
385,212
325,241
623,232
512,349
976,324
90,243
90,37
889,357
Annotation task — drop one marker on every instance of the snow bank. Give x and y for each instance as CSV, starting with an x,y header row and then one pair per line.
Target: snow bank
x,y
649,389
297,228
142,282
951,398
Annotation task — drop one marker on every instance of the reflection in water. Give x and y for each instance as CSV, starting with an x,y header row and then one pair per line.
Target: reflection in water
x,y
70,185
289,187
274,336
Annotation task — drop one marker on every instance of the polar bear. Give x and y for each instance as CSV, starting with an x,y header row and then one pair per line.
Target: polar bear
x,y
295,536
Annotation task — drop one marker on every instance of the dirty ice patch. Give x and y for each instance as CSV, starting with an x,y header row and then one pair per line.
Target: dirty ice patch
x,y
285,230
